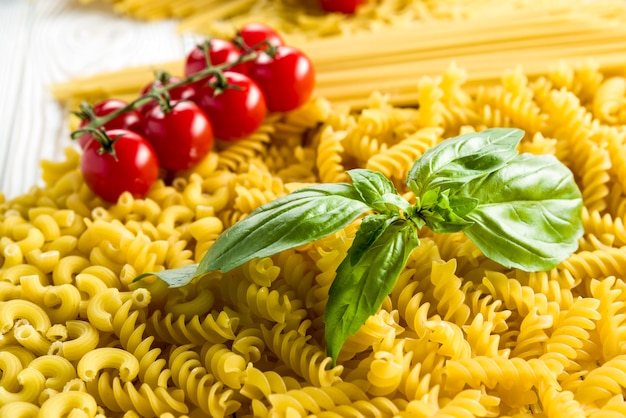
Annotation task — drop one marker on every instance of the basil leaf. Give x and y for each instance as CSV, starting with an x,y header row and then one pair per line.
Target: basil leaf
x,y
529,216
372,226
287,222
360,287
178,277
429,198
458,160
393,202
372,186
449,214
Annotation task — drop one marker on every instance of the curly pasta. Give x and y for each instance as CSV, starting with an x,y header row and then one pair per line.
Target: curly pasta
x,y
515,101
609,101
329,160
459,335
396,161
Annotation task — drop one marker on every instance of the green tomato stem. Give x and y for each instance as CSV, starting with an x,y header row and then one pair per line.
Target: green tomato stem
x,y
99,121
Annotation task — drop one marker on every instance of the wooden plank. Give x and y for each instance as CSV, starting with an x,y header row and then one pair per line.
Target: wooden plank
x,y
58,41
14,21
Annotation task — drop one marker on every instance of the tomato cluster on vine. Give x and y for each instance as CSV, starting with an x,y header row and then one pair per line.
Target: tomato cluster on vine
x,y
227,89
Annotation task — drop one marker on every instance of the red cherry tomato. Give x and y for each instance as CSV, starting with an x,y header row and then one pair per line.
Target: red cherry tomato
x,y
130,120
341,6
254,33
184,92
287,80
134,168
220,52
181,137
235,112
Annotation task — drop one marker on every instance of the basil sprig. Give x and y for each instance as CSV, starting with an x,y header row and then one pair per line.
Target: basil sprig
x,y
522,211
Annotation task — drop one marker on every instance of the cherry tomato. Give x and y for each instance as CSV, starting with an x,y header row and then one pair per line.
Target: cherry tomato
x,y
134,168
220,52
341,6
254,33
184,92
181,137
287,80
234,112
130,120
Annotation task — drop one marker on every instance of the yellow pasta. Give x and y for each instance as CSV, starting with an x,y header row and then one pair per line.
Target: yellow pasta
x,y
609,102
66,403
350,64
83,338
107,357
458,336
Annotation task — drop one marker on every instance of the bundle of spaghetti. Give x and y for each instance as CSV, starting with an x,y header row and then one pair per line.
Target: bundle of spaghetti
x,y
305,19
391,61
459,335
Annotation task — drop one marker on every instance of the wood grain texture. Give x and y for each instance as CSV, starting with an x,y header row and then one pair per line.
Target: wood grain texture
x,y
51,41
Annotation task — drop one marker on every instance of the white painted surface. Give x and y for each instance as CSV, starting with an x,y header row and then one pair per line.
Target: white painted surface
x,y
43,42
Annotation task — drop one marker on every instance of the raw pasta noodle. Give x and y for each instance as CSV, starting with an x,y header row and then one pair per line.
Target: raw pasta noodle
x,y
208,396
596,387
327,258
214,328
329,162
448,293
61,303
83,338
515,100
609,102
305,359
234,154
610,325
19,409
396,161
597,223
570,330
479,337
532,338
594,171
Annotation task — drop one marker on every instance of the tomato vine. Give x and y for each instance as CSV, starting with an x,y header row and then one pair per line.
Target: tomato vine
x,y
226,92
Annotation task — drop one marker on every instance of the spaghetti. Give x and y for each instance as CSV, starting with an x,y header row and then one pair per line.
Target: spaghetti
x,y
391,61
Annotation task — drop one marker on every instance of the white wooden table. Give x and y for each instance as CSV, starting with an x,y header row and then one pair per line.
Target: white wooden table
x,y
43,42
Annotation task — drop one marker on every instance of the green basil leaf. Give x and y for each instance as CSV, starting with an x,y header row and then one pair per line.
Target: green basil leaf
x,y
178,277
458,160
359,288
372,226
529,216
429,198
290,221
370,184
462,205
393,202
449,214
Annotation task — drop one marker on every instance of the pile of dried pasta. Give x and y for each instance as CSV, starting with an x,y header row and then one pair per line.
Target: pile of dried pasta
x,y
350,67
459,335
305,19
